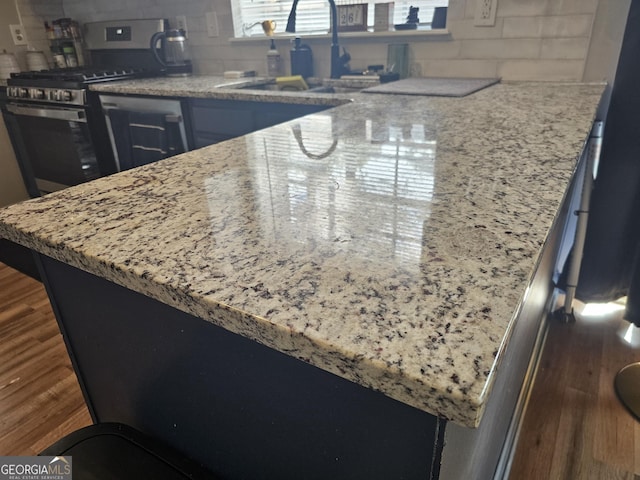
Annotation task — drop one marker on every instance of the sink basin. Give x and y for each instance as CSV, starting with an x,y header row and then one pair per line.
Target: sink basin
x,y
272,86
316,85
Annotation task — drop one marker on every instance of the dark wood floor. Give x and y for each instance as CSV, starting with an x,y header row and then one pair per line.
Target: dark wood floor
x,y
40,400
574,428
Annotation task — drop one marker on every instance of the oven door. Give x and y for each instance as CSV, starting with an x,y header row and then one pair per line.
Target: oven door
x,y
53,144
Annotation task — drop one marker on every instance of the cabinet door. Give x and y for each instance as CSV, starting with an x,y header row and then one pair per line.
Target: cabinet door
x,y
216,120
268,114
213,121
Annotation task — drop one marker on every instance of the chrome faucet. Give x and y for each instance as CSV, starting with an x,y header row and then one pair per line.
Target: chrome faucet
x,y
337,62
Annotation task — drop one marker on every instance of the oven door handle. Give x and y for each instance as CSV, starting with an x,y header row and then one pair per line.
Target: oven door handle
x,y
54,113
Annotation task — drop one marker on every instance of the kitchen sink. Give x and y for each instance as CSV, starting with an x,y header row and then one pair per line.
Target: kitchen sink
x,y
327,86
273,87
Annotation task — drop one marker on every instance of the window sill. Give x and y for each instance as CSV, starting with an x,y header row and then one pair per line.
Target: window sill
x,y
439,33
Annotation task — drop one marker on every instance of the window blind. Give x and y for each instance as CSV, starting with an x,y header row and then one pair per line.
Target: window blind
x,y
312,16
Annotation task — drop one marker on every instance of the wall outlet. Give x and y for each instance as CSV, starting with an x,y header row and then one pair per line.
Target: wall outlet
x,y
18,34
485,13
181,22
212,24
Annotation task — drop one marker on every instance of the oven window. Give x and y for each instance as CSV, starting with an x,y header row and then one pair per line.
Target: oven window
x,y
58,151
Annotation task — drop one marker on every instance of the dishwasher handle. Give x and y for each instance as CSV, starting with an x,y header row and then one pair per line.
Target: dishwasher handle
x,y
71,115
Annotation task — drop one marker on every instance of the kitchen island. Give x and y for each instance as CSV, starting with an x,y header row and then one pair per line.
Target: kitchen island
x,y
385,263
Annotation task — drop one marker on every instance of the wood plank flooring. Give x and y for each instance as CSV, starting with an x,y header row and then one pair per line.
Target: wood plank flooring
x,y
40,400
574,428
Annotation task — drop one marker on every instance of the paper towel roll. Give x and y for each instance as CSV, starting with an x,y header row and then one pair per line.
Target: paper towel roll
x,y
37,61
8,65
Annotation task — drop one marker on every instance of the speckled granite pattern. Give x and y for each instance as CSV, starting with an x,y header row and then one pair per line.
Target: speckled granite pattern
x,y
217,87
388,241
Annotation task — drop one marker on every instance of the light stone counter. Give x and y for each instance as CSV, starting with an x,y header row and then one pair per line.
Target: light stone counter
x,y
389,241
226,89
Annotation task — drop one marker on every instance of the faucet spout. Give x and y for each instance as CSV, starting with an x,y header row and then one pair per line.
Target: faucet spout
x,y
337,68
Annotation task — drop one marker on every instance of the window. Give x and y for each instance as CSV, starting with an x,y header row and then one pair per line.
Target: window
x,y
312,16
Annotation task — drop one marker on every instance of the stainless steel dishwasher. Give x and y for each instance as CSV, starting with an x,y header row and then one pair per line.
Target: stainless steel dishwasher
x,y
144,129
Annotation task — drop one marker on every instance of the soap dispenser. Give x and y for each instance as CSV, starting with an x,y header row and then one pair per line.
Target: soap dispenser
x,y
301,59
274,61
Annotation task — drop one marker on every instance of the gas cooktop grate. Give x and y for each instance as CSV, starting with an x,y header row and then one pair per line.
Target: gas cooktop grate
x,y
83,75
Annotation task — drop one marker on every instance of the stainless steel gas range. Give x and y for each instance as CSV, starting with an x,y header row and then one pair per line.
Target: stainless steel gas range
x,y
55,122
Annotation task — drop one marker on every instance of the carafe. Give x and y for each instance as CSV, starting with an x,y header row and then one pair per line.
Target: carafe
x,y
176,61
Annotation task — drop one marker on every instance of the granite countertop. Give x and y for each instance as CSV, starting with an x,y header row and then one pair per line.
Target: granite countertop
x,y
205,86
390,240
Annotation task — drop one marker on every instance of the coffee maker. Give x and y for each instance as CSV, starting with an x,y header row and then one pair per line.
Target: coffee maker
x,y
176,61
